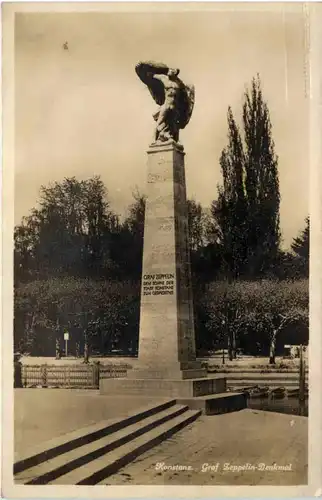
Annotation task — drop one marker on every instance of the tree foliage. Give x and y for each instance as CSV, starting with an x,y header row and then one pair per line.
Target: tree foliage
x,y
197,223
301,248
70,232
78,265
255,312
128,247
107,311
246,212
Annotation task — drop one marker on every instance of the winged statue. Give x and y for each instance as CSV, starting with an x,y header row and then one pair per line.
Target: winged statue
x,y
175,99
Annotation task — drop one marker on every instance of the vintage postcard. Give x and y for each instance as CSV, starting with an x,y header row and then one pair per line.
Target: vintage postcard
x,y
161,250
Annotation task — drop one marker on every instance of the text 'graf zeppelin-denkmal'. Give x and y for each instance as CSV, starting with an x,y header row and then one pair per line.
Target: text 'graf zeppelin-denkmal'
x,y
158,284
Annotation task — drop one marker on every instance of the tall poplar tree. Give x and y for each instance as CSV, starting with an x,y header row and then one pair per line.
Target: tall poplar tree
x,y
261,183
230,210
247,209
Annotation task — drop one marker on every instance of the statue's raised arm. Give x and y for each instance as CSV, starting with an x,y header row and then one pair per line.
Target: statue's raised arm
x,y
176,100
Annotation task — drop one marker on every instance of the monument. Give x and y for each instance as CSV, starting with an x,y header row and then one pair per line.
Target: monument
x,y
167,364
166,340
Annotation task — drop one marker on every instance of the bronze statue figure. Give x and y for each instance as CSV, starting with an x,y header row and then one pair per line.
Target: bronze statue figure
x,y
176,100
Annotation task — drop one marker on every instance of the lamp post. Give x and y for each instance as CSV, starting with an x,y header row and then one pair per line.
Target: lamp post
x,y
66,338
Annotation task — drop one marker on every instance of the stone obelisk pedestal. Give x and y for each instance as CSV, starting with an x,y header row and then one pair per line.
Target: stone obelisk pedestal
x,y
166,363
166,339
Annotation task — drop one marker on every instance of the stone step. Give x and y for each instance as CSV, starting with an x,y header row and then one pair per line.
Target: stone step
x,y
64,463
215,404
98,470
67,442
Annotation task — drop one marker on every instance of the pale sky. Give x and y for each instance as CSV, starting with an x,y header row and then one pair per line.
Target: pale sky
x,y
84,111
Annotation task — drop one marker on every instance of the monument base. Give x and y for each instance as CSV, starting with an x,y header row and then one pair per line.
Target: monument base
x,y
172,371
172,388
206,394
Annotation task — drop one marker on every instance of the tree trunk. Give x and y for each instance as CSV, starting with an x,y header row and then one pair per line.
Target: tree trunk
x,y
57,349
57,345
234,345
30,333
230,348
272,348
102,343
77,349
86,348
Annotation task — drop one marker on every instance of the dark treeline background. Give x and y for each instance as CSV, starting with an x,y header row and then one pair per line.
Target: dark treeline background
x,y
78,265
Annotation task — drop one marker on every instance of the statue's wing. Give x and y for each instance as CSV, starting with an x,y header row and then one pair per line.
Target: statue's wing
x,y
187,101
145,71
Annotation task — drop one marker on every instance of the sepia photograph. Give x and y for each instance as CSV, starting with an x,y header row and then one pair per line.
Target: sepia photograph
x,y
159,199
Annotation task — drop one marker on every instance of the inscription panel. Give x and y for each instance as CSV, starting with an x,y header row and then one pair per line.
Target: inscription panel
x,y
158,284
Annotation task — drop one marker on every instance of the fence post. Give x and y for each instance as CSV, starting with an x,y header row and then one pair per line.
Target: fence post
x,y
96,374
43,373
18,374
24,371
302,376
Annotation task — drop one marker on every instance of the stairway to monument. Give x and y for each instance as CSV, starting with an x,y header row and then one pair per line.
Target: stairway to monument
x,y
90,455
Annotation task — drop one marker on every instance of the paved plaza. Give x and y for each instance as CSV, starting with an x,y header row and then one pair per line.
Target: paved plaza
x,y
43,414
245,438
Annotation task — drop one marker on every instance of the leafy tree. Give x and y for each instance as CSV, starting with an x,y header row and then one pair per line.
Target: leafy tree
x,y
99,313
301,247
127,249
100,224
69,233
205,255
229,304
289,266
246,214
24,248
278,305
261,182
255,312
230,210
197,224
